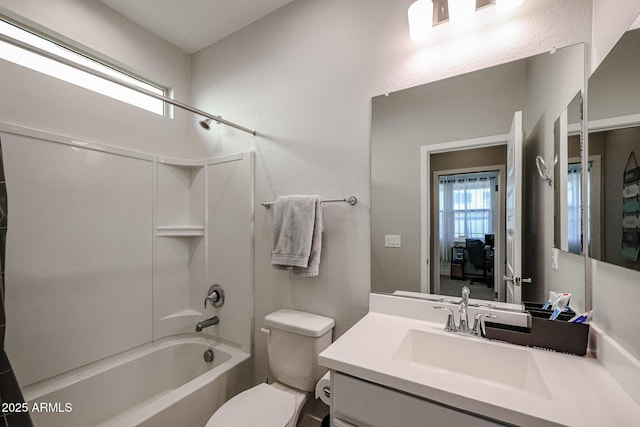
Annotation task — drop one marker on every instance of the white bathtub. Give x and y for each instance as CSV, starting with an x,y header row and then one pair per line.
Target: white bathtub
x,y
166,383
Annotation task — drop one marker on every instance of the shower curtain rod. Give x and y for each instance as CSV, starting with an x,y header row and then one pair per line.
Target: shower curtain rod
x,y
42,52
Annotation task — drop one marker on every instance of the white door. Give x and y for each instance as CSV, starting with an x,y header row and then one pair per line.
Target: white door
x,y
514,211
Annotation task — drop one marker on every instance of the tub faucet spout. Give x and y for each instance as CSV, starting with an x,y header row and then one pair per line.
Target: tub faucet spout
x,y
206,323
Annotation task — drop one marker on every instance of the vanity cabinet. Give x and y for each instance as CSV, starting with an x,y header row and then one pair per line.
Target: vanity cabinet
x,y
360,403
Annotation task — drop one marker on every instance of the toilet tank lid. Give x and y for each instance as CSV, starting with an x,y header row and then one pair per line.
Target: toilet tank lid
x,y
299,322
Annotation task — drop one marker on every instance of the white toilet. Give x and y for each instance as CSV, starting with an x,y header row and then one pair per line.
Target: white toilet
x,y
294,340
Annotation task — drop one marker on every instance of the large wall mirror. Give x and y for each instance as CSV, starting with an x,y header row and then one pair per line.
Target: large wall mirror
x,y
457,131
614,155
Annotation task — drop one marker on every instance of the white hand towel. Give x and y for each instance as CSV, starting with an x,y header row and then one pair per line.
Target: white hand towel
x,y
297,234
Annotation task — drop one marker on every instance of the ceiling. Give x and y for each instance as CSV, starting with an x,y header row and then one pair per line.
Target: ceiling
x,y
194,24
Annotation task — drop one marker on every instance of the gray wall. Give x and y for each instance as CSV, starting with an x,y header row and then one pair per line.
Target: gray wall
x,y
617,146
552,83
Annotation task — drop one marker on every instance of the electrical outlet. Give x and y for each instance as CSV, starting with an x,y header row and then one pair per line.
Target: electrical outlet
x,y
554,258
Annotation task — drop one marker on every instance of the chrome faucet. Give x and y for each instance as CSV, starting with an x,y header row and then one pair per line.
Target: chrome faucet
x,y
477,324
463,309
206,323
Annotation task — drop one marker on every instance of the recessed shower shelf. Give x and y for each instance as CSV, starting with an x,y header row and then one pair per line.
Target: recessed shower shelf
x,y
184,313
180,231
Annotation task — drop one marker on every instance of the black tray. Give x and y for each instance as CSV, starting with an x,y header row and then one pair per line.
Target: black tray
x,y
558,335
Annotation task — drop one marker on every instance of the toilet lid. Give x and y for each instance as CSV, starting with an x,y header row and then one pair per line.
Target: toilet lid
x,y
261,405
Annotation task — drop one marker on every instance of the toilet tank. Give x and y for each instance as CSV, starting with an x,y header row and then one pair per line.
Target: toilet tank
x,y
295,340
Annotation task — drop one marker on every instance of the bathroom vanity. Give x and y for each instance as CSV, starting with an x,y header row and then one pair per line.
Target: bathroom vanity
x,y
397,366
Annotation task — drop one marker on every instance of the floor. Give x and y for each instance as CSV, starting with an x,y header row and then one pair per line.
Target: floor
x,y
453,287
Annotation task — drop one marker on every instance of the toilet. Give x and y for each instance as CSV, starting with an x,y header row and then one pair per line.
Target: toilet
x,y
294,341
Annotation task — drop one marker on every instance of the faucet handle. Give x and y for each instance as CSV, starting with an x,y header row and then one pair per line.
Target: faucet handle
x,y
215,296
477,324
451,324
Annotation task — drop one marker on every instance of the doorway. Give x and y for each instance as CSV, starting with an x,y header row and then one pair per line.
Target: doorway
x,y
466,215
485,155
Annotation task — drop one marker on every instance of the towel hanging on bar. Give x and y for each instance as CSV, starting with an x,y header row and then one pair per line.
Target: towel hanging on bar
x,y
351,200
297,234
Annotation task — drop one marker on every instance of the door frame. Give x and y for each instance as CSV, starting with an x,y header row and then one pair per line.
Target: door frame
x,y
498,221
425,197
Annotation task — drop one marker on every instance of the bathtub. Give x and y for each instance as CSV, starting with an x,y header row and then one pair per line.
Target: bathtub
x,y
165,383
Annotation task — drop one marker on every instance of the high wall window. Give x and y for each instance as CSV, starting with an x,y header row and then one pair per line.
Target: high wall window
x,y
69,74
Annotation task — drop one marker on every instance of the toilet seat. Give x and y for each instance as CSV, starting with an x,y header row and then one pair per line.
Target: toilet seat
x,y
261,405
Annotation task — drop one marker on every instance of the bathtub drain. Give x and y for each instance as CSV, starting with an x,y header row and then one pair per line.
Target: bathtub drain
x,y
208,356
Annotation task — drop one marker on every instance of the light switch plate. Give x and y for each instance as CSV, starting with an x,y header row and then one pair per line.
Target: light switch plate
x,y
554,258
392,241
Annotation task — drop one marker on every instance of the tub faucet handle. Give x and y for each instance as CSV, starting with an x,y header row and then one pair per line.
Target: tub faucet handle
x,y
215,296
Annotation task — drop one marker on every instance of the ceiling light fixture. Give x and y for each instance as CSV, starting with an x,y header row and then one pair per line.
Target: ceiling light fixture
x,y
422,18
420,15
461,11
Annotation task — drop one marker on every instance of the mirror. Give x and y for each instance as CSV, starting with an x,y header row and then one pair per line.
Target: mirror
x,y
468,117
567,178
614,155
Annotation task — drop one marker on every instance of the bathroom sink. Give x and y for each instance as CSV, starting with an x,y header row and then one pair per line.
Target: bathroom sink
x,y
476,359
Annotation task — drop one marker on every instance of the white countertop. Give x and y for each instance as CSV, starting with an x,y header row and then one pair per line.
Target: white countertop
x,y
581,391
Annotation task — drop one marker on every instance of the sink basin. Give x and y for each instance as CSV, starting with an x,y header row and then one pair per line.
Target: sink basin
x,y
499,365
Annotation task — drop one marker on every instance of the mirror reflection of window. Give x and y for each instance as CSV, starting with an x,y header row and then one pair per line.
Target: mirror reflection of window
x,y
467,203
574,186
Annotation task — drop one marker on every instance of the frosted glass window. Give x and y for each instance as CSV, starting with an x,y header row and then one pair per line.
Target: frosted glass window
x,y
69,74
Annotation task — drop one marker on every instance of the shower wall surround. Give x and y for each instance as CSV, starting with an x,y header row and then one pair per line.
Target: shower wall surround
x,y
96,263
9,389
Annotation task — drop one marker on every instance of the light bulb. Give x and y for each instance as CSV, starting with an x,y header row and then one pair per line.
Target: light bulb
x,y
420,15
461,11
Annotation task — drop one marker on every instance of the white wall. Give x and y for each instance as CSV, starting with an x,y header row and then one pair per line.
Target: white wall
x,y
304,77
42,102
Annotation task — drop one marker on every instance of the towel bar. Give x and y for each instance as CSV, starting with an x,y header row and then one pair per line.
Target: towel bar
x,y
351,200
